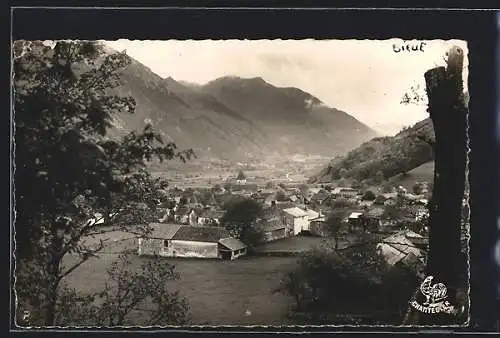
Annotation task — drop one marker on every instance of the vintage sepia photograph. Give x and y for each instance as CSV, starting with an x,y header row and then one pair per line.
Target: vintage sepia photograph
x,y
241,183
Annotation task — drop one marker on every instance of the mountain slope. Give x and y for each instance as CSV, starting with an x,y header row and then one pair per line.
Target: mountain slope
x,y
390,155
236,119
190,118
296,121
422,173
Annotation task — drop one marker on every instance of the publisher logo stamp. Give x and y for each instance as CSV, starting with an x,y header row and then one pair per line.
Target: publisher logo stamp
x,y
435,298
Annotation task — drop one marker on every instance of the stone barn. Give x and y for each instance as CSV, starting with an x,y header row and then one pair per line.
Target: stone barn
x,y
174,240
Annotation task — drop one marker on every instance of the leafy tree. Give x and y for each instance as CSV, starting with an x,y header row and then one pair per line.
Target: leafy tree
x,y
304,189
280,196
269,185
343,173
394,212
355,184
64,107
351,286
380,199
341,203
130,288
217,188
379,177
387,188
417,188
240,219
335,222
369,196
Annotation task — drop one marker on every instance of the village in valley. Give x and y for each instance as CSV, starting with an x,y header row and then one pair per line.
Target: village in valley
x,y
293,218
276,209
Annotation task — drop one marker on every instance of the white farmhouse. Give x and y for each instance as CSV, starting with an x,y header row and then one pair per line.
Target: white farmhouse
x,y
296,219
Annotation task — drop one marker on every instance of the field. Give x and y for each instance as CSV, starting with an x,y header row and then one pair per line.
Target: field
x,y
205,175
299,244
219,292
425,172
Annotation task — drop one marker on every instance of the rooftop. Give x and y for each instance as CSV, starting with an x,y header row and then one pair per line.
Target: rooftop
x,y
163,230
232,243
200,234
355,214
312,214
397,247
295,212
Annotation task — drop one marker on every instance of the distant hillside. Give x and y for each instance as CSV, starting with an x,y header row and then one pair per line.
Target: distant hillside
x,y
423,173
390,155
237,119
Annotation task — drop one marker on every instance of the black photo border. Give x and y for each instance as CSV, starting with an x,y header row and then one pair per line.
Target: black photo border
x,y
477,27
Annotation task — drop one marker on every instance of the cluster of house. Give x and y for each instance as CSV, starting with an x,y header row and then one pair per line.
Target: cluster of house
x,y
190,225
404,247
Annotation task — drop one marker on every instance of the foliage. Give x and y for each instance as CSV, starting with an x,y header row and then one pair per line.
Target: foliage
x,y
388,156
240,219
393,212
270,185
379,177
130,291
241,175
380,199
417,188
355,184
280,196
341,203
304,189
64,107
334,223
342,183
415,96
352,286
387,188
369,196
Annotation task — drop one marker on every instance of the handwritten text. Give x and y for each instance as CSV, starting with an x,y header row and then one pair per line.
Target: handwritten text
x,y
409,46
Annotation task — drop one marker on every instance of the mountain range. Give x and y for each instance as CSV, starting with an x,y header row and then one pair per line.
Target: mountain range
x,y
235,119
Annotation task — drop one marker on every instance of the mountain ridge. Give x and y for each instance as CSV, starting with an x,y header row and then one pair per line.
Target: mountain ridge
x,y
236,118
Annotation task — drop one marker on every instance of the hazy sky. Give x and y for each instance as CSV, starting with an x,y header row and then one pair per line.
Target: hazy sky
x,y
363,78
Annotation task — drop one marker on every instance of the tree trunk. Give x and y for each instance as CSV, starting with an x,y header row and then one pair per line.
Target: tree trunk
x,y
448,114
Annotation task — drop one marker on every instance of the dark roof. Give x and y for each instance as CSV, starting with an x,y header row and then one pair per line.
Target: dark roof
x,y
232,243
200,234
163,231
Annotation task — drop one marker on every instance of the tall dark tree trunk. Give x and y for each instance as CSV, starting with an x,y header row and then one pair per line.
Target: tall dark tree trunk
x,y
448,113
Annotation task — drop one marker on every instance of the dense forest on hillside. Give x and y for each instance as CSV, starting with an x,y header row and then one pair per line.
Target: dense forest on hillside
x,y
389,155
